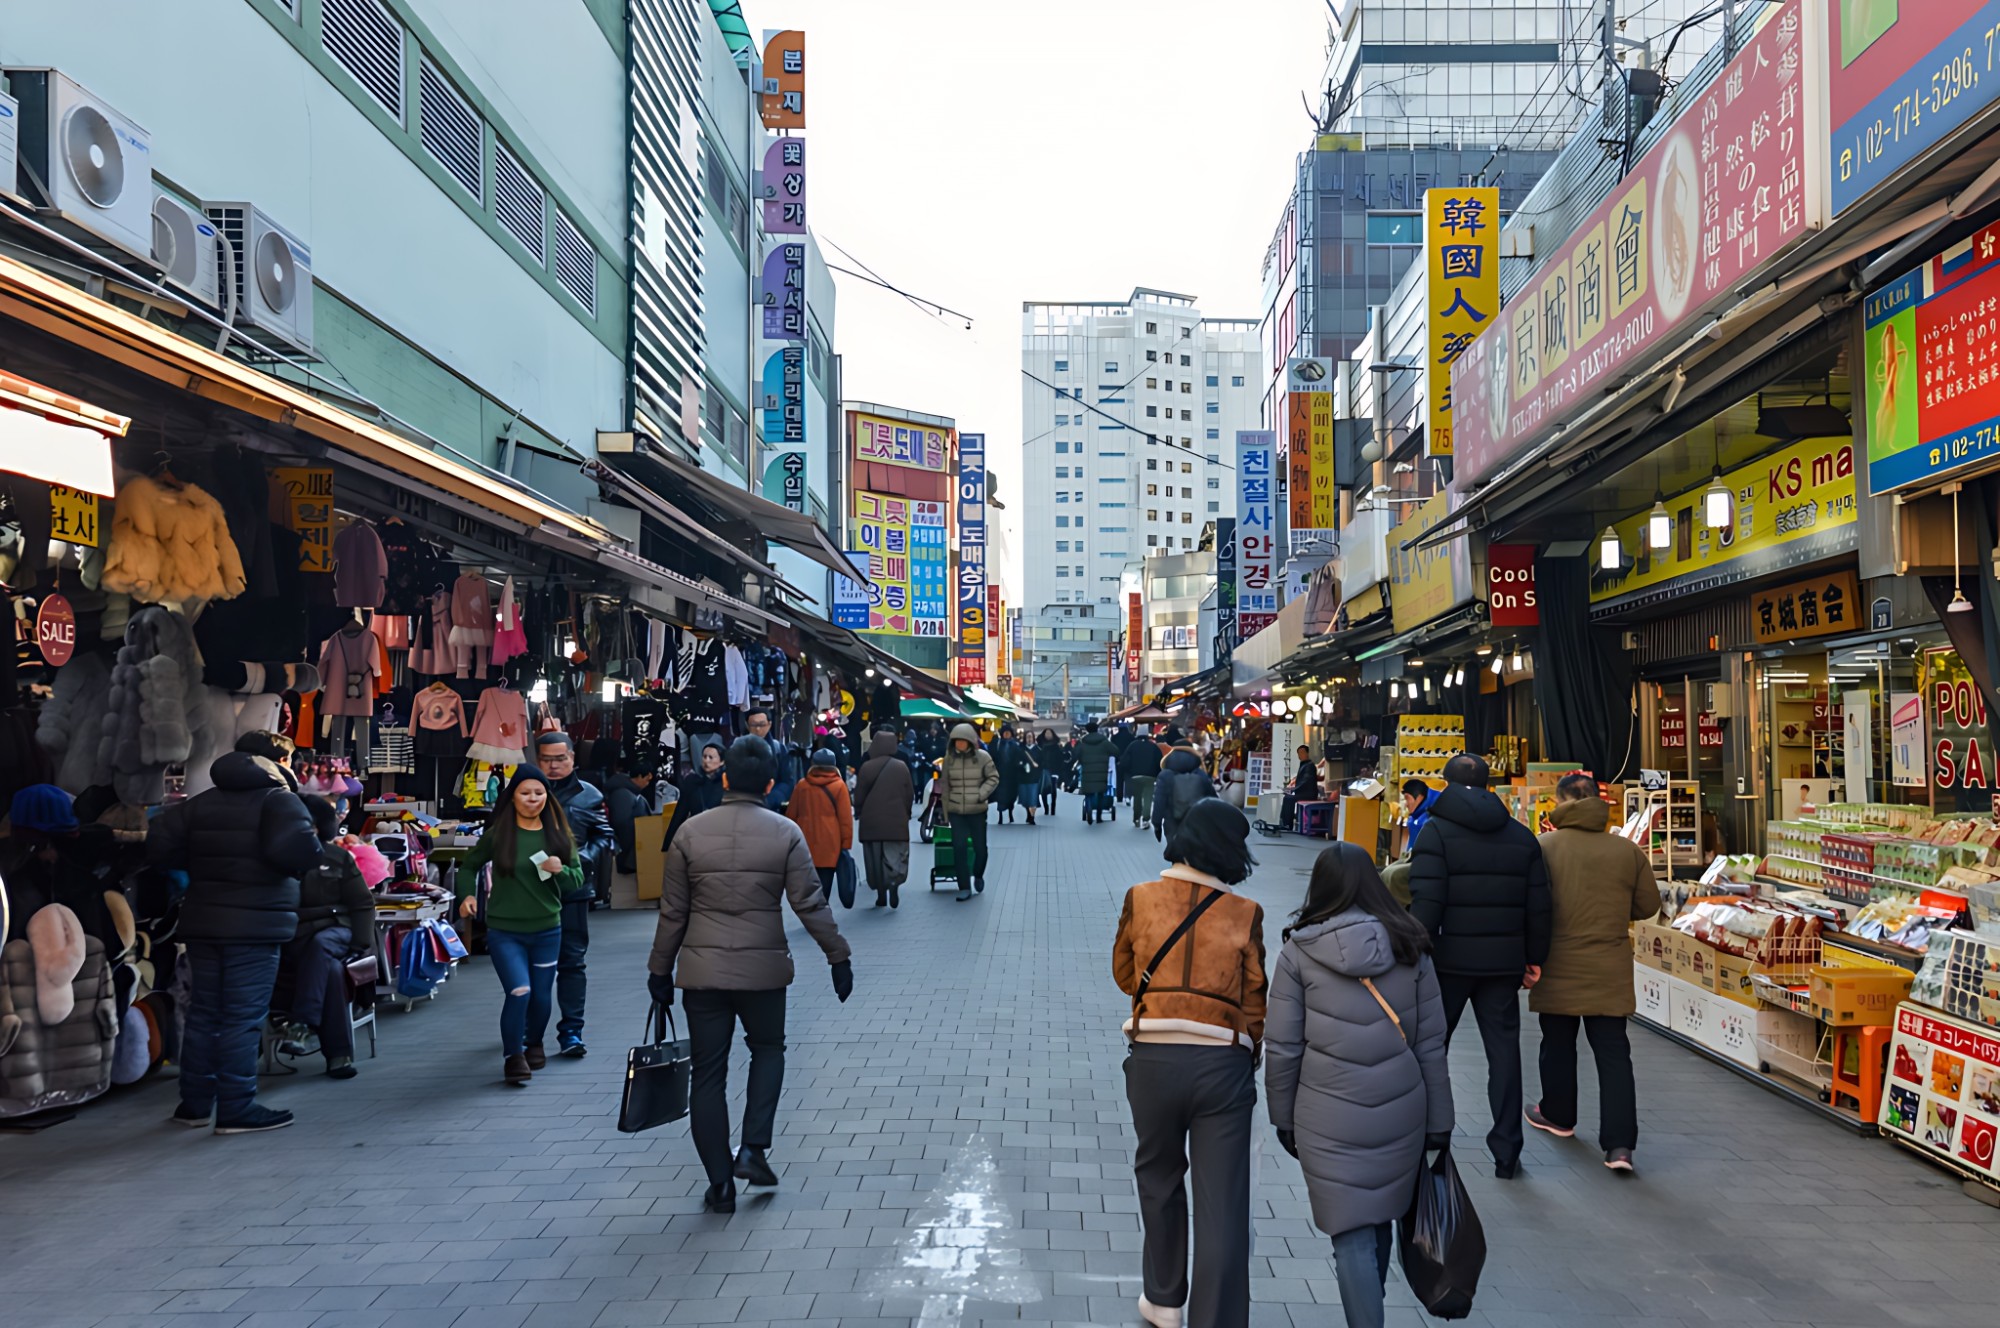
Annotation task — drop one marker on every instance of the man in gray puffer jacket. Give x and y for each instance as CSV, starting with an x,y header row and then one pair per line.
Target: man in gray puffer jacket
x,y
721,940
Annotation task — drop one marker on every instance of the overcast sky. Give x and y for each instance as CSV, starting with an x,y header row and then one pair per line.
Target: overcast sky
x,y
983,154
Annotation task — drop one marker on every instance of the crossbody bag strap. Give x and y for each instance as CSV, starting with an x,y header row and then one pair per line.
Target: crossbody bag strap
x,y
1376,992
1159,957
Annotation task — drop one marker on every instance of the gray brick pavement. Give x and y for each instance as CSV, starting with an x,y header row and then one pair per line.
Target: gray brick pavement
x,y
954,1150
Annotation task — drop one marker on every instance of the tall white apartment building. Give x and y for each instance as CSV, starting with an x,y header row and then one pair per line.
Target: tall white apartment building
x,y
1129,414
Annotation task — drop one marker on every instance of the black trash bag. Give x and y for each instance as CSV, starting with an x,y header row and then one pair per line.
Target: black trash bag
x,y
1444,1247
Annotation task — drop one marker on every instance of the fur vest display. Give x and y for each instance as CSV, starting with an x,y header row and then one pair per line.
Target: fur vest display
x,y
71,726
155,710
171,544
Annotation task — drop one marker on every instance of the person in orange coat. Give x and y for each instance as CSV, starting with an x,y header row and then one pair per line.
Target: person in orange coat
x,y
820,806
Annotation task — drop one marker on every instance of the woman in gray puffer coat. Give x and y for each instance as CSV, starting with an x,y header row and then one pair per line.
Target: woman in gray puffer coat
x,y
1354,1065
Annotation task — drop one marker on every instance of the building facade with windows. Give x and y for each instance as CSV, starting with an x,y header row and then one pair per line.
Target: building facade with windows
x,y
1129,413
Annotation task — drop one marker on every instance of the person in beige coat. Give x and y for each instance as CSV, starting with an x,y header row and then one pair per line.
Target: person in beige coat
x,y
1601,883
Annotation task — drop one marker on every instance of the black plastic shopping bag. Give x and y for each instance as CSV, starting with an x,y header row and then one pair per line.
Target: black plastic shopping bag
x,y
1444,1247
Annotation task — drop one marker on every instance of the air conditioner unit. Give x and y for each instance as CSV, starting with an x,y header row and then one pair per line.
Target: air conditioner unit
x,y
187,249
83,163
10,130
273,273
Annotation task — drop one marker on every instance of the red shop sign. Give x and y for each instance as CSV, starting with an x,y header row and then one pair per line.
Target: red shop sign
x,y
1674,730
55,630
1510,585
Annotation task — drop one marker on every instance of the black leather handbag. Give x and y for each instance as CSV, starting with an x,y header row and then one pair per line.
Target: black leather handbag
x,y
657,1075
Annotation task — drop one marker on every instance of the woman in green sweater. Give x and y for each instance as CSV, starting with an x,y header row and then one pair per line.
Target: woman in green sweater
x,y
533,855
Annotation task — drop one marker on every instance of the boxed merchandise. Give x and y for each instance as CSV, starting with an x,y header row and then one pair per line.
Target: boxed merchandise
x,y
1733,978
1653,990
1688,1009
1848,996
1653,945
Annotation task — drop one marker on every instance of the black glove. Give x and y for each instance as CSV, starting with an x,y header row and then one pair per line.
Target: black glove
x,y
1437,1141
1288,1141
660,987
843,979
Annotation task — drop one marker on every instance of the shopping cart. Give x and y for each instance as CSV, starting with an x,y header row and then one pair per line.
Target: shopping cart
x,y
944,856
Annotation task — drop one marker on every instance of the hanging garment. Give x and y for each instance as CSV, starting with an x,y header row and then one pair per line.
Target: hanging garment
x,y
656,647
431,650
438,718
349,668
415,568
704,695
510,641
171,543
736,676
500,727
155,713
643,722
392,629
259,627
360,567
471,611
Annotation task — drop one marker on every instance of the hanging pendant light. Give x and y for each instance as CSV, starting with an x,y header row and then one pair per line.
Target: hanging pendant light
x,y
1959,603
1499,663
1659,525
1609,552
1395,690
1715,504
1516,664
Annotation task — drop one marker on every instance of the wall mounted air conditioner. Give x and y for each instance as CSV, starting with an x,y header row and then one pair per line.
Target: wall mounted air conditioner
x,y
82,163
273,273
187,249
10,131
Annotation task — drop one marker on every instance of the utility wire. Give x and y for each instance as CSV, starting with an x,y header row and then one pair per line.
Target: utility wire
x,y
869,274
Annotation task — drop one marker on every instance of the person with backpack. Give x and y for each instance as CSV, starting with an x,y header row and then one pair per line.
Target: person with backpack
x,y
820,807
1190,954
243,843
1354,1065
1182,783
530,847
883,795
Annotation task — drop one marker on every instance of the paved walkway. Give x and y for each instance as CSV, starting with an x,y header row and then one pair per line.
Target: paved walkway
x,y
954,1150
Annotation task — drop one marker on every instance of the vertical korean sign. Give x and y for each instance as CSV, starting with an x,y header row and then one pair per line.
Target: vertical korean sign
x,y
1135,641
1462,241
783,103
784,187
1309,444
1739,179
1256,538
307,502
882,531
784,431
971,520
782,292
1225,589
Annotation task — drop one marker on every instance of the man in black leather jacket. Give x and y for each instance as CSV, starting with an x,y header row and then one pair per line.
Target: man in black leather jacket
x,y
596,849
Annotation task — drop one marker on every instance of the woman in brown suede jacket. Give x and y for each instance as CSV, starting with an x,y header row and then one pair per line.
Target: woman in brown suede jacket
x,y
1191,1074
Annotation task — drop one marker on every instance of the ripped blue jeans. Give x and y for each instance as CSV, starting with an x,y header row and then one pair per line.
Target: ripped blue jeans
x,y
525,962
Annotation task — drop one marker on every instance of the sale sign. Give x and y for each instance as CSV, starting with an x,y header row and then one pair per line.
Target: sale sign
x,y
55,630
1510,586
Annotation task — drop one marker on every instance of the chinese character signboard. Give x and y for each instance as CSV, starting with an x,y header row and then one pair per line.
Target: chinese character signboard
x,y
1256,533
1462,239
1309,449
1793,508
1933,361
784,187
971,522
1510,586
306,496
930,569
850,597
1225,589
73,516
1427,582
1739,178
882,531
783,103
1900,78
898,442
1827,605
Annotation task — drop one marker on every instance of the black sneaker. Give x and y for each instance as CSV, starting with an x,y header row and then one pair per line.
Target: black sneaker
x,y
751,1166
895,896
1619,1160
255,1121
1535,1118
182,1116
341,1067
573,1048
980,885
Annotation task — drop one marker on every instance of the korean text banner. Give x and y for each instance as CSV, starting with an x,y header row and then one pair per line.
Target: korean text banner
x,y
1739,177
1933,362
1426,583
971,518
850,597
1256,532
1309,444
882,531
782,293
1225,588
1901,76
899,442
1795,506
784,105
930,570
784,186
1462,242
1135,640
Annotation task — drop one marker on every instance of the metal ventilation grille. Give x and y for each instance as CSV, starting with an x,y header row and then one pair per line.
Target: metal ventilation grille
x,y
517,200
449,128
365,41
576,263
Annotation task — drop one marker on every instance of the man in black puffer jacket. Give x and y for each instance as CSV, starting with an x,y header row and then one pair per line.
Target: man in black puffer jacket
x,y
596,847
1477,881
243,844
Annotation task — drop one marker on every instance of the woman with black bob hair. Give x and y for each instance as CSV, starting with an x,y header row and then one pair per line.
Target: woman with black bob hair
x,y
1355,986
1190,953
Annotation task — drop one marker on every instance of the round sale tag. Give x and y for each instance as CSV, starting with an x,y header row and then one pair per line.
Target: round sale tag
x,y
55,630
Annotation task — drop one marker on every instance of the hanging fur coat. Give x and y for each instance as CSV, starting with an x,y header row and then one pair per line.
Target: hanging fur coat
x,y
171,544
71,725
156,711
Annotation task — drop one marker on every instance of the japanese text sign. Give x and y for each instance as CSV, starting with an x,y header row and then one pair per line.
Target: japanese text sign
x,y
1256,533
306,497
1427,582
782,292
1900,78
1828,605
1309,447
1739,178
73,516
1462,241
1942,1092
783,103
971,522
1510,586
1933,361
1793,507
899,442
784,187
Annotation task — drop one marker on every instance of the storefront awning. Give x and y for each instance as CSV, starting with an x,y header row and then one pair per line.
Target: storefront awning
x,y
95,325
991,702
55,438
774,521
922,707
